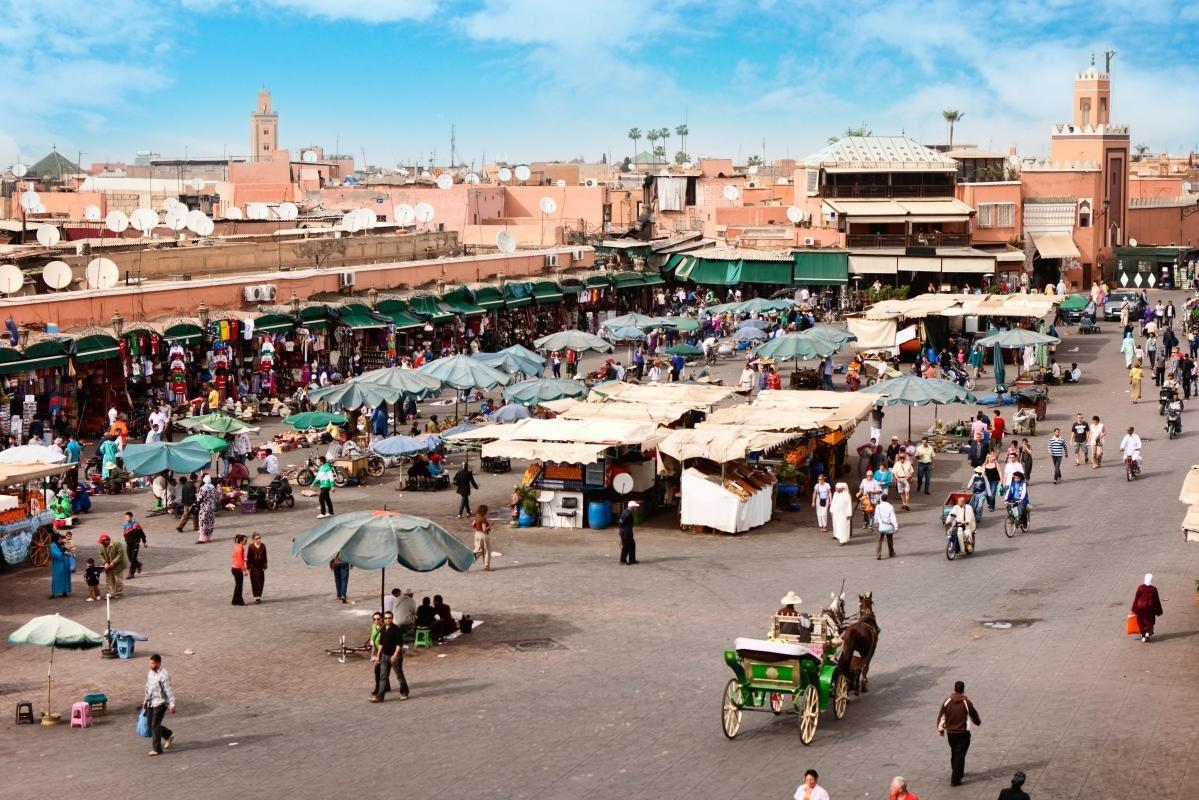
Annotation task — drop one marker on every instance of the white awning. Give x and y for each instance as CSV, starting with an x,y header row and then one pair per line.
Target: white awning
x,y
558,452
948,209
873,265
1055,245
720,443
978,265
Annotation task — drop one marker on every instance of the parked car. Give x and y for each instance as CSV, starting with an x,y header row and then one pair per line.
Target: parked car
x,y
1111,309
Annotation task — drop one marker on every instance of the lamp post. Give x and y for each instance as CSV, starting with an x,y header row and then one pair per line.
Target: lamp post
x,y
372,297
202,312
294,302
118,323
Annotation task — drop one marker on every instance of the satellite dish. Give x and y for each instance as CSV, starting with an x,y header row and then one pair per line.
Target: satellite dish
x,y
11,279
41,209
288,210
195,221
351,221
781,182
48,236
731,192
116,221
57,275
687,165
622,483
309,157
472,178
92,213
1132,242
548,205
522,173
753,169
403,214
664,173
424,212
258,211
504,174
444,181
144,219
101,273
197,184
403,172
506,242
232,212
795,214
206,227
19,169
561,184
366,218
30,201
176,218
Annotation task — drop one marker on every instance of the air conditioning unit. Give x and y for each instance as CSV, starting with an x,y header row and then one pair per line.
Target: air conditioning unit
x,y
551,260
752,185
268,291
576,255
591,182
252,294
346,279
809,241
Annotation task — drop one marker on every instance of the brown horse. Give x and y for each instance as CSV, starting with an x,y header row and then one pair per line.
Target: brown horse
x,y
858,642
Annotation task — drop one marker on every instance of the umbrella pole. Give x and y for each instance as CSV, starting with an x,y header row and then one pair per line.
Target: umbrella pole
x,y
49,682
382,588
910,423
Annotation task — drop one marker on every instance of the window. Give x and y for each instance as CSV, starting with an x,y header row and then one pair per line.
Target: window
x,y
997,215
1084,213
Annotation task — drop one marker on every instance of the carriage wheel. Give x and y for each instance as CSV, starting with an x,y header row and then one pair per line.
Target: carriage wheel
x,y
730,711
809,714
840,695
376,466
776,702
340,477
39,547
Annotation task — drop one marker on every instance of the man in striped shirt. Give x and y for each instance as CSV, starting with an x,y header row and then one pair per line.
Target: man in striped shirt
x,y
1057,451
158,700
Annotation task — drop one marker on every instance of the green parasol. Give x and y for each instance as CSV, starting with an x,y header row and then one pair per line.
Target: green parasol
x,y
55,631
308,420
213,444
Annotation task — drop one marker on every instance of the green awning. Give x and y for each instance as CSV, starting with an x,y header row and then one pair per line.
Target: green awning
x,y
546,292
821,268
464,308
403,320
360,322
683,267
627,280
651,279
431,308
27,364
571,287
355,308
10,360
518,294
96,347
713,271
274,323
314,317
185,332
489,297
598,281
775,273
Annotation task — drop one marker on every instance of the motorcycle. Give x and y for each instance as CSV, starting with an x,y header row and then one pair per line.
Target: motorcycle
x,y
307,473
1131,467
1165,396
955,373
1174,418
279,493
956,541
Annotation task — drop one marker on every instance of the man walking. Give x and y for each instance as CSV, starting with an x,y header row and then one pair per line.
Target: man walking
x,y
925,455
628,546
324,480
135,540
390,657
886,523
191,508
112,556
464,481
1057,451
953,721
1080,432
158,701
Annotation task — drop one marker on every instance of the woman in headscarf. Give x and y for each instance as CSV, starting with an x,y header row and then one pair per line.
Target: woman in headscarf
x,y
60,568
207,498
1146,606
108,456
841,510
1128,347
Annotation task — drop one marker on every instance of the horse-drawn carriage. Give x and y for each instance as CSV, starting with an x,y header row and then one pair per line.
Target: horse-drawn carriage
x,y
815,661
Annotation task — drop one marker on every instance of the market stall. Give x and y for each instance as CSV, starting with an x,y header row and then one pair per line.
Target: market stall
x,y
25,521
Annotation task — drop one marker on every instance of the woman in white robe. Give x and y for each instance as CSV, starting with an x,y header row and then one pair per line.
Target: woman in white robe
x,y
842,513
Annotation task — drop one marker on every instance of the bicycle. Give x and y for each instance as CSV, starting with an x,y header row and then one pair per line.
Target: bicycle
x,y
1013,523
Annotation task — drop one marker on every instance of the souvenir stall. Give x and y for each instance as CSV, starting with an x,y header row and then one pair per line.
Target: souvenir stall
x,y
361,339
45,379
143,363
313,341
270,355
409,329
442,330
596,302
185,366
474,318
100,382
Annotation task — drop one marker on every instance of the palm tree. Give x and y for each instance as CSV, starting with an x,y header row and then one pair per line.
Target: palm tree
x,y
635,135
680,158
652,136
952,116
754,161
664,135
660,153
1141,149
681,131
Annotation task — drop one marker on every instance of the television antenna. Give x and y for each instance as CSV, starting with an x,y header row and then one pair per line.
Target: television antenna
x,y
57,275
101,273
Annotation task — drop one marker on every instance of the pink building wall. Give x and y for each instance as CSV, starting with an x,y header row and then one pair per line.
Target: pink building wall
x,y
1072,184
974,194
1161,226
1155,187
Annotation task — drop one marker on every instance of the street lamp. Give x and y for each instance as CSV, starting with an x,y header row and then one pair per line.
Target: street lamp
x,y
202,313
294,302
118,322
23,336
372,297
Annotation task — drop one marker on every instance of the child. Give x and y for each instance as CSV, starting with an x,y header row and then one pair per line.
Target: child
x,y
91,576
135,540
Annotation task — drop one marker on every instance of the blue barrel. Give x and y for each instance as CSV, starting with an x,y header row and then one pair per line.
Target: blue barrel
x,y
599,514
124,647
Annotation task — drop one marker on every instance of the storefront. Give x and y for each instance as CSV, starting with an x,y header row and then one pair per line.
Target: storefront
x,y
100,383
1166,267
362,340
40,381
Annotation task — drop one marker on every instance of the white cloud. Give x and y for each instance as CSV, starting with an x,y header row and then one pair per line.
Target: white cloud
x,y
366,11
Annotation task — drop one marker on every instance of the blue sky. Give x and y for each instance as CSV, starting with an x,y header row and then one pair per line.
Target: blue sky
x,y
534,79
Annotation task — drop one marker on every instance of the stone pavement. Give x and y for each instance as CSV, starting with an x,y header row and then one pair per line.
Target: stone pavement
x,y
627,705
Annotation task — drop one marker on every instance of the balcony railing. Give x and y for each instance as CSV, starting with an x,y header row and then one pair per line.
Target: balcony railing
x,y
901,190
903,240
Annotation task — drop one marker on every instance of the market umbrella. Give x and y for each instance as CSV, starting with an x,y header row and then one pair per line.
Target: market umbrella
x,y
685,350
307,420
911,390
997,365
407,382
512,412
215,423
798,346
463,373
543,390
1017,338
579,341
720,308
627,334
832,333
749,334
31,454
686,324
760,305
378,539
755,323
213,444
55,631
151,459
353,395
511,363
398,446
633,320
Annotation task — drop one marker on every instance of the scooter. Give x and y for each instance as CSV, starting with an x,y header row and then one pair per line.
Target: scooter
x,y
955,373
1165,396
955,536
307,473
1174,418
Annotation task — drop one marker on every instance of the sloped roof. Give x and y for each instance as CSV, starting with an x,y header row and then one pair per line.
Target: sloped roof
x,y
54,165
882,153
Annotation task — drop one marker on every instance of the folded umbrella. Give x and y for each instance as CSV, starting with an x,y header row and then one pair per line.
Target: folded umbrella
x,y
512,412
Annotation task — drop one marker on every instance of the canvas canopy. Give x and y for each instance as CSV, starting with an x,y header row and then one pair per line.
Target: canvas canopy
x,y
720,443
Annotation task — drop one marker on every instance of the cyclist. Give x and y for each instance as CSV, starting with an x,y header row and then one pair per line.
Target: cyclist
x,y
1017,492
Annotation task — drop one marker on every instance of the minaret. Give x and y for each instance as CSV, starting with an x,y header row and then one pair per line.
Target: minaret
x,y
264,130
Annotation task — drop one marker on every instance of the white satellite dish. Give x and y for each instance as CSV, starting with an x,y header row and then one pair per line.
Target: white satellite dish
x,y
30,201
101,273
91,213
350,221
781,182
19,169
287,211
176,218
195,221
504,174
506,242
233,212
548,205
206,227
472,178
116,221
561,184
258,211
403,172
197,184
687,165
11,279
144,219
731,192
1132,242
57,275
41,209
753,169
309,157
48,236
367,218
424,212
522,173
445,181
663,173
795,214
403,214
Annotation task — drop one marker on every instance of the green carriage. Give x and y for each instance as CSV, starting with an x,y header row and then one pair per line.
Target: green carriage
x,y
768,670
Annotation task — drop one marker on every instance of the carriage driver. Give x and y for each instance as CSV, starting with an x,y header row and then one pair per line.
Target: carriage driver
x,y
800,628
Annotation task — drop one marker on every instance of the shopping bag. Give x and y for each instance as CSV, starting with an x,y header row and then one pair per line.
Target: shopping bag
x,y
1131,627
143,724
